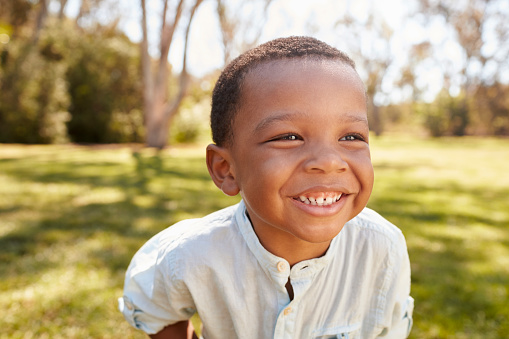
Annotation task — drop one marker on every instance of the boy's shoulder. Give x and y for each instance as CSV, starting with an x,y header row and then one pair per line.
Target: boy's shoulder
x,y
198,228
373,241
196,235
188,243
372,222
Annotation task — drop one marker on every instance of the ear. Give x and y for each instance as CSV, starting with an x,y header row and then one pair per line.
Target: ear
x,y
221,170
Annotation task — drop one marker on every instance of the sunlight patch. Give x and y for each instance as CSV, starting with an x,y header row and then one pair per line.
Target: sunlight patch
x,y
105,195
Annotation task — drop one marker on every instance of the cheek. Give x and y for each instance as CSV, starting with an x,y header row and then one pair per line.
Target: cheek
x,y
363,170
369,181
364,174
264,171
369,173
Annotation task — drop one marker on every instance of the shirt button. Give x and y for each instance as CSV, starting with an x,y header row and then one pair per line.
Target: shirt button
x,y
287,311
128,304
281,266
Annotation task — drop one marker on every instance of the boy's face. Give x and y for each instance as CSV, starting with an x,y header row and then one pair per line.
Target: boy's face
x,y
300,155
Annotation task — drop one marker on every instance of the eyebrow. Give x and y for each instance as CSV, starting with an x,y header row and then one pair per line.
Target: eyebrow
x,y
291,116
356,118
272,119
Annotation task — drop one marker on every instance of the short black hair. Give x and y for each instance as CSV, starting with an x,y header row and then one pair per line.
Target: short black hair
x,y
227,91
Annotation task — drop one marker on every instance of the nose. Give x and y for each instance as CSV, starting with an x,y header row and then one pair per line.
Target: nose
x,y
325,159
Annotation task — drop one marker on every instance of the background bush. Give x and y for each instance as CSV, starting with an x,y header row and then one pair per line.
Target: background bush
x,y
72,85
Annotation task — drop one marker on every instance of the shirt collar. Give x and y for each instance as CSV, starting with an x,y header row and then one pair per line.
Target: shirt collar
x,y
276,267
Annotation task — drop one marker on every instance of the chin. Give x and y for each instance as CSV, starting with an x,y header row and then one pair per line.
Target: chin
x,y
321,236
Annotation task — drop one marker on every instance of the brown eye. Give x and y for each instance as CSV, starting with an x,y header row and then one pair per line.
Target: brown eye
x,y
290,137
287,137
349,138
352,137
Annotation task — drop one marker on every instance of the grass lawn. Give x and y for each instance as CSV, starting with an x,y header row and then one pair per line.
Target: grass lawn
x,y
71,217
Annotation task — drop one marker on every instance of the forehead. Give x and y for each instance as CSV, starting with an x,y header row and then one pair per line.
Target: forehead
x,y
274,70
297,83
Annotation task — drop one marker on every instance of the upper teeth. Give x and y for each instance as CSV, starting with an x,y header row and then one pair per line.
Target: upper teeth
x,y
320,201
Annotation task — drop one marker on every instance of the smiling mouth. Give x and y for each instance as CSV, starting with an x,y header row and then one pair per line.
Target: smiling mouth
x,y
324,200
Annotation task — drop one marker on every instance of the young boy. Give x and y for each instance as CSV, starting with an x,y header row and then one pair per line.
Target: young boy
x,y
300,256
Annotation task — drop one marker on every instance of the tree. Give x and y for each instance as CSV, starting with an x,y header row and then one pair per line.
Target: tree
x,y
241,26
32,90
158,109
369,44
480,30
59,80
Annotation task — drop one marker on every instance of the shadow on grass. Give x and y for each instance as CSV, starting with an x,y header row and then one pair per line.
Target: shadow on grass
x,y
456,236
155,192
96,211
450,293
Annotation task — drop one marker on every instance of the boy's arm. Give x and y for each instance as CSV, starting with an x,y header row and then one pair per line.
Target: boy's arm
x,y
155,295
180,330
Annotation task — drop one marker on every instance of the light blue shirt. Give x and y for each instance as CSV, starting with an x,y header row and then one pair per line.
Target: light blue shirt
x,y
216,266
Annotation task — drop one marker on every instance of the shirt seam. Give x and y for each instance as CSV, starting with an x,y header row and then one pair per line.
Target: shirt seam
x,y
382,302
394,236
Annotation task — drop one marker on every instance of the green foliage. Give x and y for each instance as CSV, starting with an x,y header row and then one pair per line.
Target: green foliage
x,y
192,123
72,217
446,116
492,111
71,85
435,121
105,89
15,13
33,97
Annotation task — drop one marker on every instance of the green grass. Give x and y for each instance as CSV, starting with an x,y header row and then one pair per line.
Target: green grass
x,y
71,217
450,198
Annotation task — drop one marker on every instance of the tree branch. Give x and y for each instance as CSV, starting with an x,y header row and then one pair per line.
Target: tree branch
x,y
172,108
169,31
63,3
148,81
41,18
166,40
163,23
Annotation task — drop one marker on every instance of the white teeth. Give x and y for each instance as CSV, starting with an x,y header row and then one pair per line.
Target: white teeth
x,y
321,201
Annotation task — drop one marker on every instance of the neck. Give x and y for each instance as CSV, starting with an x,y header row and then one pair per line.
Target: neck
x,y
286,245
292,249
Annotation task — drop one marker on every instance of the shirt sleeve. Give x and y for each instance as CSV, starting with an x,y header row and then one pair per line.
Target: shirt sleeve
x,y
154,294
400,304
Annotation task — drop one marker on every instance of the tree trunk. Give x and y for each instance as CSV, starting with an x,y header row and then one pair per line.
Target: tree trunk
x,y
158,111
157,129
63,3
41,18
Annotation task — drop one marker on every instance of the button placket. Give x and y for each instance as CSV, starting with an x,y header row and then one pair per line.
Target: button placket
x,y
287,311
281,266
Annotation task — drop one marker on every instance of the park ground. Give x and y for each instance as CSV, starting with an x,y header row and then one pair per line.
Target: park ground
x,y
71,217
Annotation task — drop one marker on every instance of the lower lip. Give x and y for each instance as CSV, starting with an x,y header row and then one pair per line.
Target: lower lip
x,y
322,211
